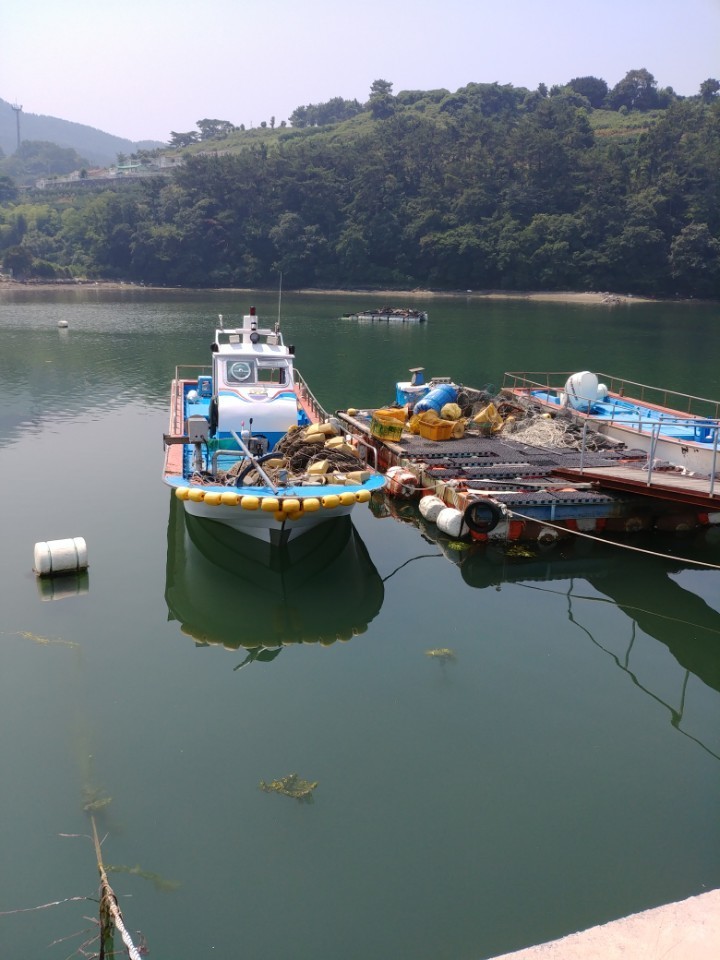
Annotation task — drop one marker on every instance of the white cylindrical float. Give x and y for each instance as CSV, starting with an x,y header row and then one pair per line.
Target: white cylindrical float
x,y
450,521
60,556
430,507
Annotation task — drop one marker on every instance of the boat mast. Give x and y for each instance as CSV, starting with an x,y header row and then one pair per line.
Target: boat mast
x,y
277,325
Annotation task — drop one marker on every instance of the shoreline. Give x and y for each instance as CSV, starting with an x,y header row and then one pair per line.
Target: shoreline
x,y
604,298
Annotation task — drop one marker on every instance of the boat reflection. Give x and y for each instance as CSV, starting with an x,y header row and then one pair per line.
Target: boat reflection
x,y
642,587
228,589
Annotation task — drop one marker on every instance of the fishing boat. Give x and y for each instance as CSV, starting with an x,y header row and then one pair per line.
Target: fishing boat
x,y
388,315
678,428
249,446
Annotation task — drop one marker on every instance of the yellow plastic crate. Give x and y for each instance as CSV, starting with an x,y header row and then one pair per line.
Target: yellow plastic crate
x,y
385,429
392,413
437,430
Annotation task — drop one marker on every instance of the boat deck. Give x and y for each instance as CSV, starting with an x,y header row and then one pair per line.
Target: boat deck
x,y
665,485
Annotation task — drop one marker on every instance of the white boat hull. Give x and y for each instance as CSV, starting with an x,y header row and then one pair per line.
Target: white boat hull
x,y
261,524
694,458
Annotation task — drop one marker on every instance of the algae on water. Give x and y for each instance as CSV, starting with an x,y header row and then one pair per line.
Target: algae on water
x,y
443,654
291,786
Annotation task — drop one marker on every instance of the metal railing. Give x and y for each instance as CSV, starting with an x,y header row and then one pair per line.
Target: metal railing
x,y
653,428
554,381
189,371
308,396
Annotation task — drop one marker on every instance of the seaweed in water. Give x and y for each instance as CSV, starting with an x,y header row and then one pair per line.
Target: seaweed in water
x,y
443,654
291,786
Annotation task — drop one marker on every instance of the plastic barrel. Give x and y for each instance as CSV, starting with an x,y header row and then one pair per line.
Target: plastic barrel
x,y
436,398
60,556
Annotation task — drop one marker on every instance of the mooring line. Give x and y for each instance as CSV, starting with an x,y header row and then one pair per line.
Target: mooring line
x,y
108,897
612,543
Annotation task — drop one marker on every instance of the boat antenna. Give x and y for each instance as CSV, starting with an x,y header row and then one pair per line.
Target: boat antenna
x,y
220,318
277,325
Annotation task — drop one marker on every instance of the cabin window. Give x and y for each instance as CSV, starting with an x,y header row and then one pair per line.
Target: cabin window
x,y
268,374
239,371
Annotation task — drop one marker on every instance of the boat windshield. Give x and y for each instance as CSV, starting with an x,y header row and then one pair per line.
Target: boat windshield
x,y
255,371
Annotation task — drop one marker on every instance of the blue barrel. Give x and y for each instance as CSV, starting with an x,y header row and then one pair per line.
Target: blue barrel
x,y
437,398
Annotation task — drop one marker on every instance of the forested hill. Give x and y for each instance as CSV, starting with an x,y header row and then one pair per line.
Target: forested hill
x,y
492,187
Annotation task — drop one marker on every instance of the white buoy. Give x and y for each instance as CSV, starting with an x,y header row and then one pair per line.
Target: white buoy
x,y
581,390
60,556
62,324
430,507
450,521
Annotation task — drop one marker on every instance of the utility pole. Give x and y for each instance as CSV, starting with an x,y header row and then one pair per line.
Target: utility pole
x,y
18,110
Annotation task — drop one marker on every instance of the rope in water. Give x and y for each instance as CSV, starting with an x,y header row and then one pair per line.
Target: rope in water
x,y
612,543
109,900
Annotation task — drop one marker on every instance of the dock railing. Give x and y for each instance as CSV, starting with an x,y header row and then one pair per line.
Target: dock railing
x,y
554,382
654,428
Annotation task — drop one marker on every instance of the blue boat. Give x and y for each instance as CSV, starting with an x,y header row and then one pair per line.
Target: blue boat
x,y
677,428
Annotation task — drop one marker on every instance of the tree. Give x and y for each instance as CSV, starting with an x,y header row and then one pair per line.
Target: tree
x,y
636,91
19,260
594,89
381,102
695,261
214,129
8,190
709,90
183,139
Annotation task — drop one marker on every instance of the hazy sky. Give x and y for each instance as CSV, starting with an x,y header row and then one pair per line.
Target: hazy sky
x,y
141,68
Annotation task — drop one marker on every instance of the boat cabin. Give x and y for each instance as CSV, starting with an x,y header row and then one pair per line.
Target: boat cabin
x,y
253,380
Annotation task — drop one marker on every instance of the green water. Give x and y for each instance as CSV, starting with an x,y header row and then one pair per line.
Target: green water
x,y
561,770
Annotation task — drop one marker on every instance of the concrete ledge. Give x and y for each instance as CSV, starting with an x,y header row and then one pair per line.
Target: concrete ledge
x,y
689,930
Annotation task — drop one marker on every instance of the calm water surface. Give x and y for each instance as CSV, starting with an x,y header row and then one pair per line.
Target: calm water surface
x,y
562,770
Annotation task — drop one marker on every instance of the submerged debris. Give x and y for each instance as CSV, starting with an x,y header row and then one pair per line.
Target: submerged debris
x,y
291,786
94,802
458,545
159,882
520,550
46,641
444,654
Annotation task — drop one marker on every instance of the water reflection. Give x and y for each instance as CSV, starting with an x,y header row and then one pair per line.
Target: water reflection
x,y
228,589
641,587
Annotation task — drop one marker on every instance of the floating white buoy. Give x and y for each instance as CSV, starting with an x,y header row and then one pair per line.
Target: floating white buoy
x,y
60,556
62,323
450,521
430,507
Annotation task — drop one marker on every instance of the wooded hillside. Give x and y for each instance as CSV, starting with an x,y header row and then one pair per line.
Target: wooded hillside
x,y
490,187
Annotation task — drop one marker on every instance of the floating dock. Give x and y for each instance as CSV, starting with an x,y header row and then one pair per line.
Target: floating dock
x,y
538,492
